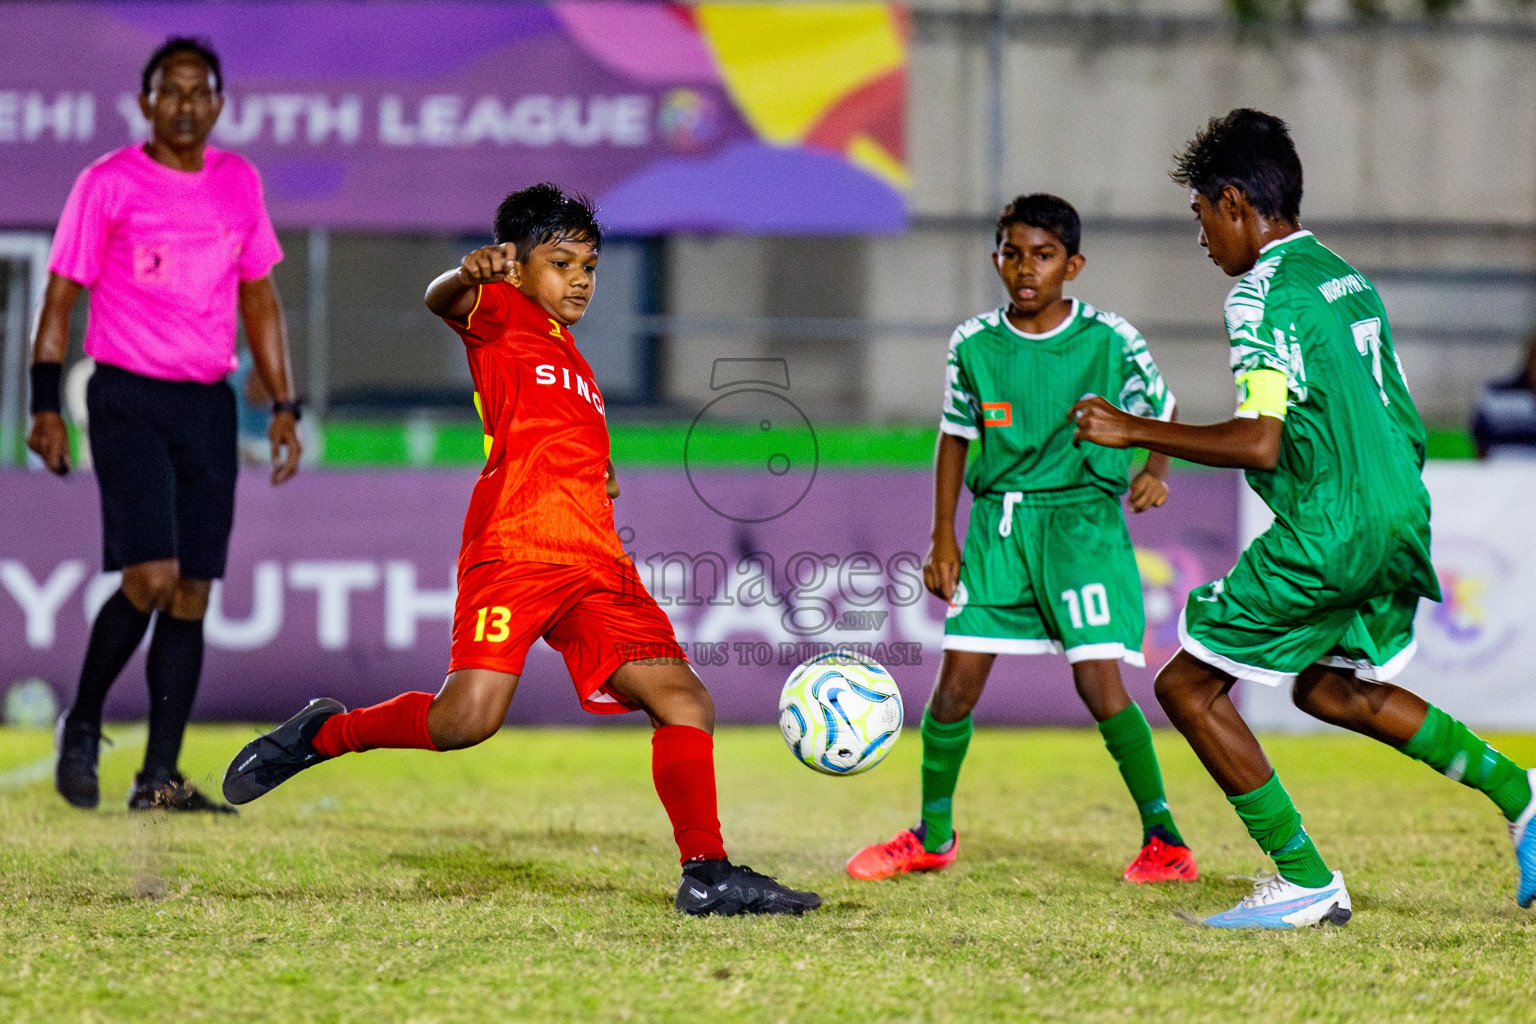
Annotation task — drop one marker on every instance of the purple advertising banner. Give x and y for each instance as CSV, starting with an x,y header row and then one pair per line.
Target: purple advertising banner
x,y
341,584
421,116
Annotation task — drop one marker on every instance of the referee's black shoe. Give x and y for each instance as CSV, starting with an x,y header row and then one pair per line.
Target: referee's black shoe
x,y
161,792
74,774
720,888
273,758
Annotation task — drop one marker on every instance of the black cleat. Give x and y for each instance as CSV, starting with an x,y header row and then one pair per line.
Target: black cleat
x,y
74,775
273,758
171,793
721,888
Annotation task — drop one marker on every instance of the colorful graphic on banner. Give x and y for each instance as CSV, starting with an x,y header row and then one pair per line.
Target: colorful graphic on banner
x,y
767,118
342,584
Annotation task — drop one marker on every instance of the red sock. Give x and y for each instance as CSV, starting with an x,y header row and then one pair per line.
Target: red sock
x,y
683,767
401,722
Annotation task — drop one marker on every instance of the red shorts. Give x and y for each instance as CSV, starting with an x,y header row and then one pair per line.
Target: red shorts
x,y
597,617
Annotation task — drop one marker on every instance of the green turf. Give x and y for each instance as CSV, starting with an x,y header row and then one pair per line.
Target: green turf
x,y
362,443
531,879
355,443
359,444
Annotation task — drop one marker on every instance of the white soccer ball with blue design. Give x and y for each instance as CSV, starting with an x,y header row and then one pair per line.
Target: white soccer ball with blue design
x,y
840,713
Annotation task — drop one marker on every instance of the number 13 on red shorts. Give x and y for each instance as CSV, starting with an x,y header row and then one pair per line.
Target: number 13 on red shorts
x,y
491,623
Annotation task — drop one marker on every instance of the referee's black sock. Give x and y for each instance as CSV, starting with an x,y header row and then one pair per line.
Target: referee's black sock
x,y
175,664
118,628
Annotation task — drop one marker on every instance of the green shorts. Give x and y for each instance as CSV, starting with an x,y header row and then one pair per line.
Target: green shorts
x,y
1044,574
1278,612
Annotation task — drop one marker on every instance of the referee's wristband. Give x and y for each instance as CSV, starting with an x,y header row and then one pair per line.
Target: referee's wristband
x,y
45,387
292,406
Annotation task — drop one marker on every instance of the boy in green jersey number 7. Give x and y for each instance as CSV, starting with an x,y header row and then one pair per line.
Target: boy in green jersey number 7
x,y
1323,601
1048,564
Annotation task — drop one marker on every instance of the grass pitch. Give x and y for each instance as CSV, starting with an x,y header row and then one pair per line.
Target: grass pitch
x,y
531,879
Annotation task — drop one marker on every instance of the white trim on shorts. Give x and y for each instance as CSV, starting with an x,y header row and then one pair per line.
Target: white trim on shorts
x,y
1198,650
999,645
1113,651
1270,677
1375,673
1012,645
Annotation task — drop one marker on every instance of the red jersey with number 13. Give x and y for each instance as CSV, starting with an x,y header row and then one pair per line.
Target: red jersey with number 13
x,y
542,496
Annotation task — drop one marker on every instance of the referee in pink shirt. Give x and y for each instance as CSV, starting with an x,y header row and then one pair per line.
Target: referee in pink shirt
x,y
171,238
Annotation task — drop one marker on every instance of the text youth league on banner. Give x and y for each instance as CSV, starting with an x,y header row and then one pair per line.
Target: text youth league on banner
x,y
769,118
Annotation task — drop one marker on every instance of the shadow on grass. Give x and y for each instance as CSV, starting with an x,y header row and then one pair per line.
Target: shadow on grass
x,y
992,858
566,839
469,871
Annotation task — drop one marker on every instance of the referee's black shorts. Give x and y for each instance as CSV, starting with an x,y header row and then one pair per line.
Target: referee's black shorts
x,y
166,461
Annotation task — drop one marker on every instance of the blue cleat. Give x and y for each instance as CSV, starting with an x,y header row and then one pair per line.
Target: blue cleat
x,y
1276,903
1524,837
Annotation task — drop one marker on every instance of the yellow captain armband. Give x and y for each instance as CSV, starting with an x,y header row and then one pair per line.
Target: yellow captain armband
x,y
1263,394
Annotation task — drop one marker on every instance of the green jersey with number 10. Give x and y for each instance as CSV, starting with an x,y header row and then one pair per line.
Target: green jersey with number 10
x,y
1347,486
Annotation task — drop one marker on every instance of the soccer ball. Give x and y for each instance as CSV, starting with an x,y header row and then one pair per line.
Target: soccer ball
x,y
840,713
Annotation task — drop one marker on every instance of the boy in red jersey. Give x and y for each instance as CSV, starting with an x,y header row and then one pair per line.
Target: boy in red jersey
x,y
541,557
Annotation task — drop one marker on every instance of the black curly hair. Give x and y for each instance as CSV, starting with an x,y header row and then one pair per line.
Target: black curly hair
x,y
1251,151
1045,211
543,213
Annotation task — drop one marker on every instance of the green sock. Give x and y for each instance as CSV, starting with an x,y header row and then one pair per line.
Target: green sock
x,y
1275,825
943,750
1129,740
1456,752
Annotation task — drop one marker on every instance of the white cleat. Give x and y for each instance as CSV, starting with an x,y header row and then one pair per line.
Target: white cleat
x,y
1276,903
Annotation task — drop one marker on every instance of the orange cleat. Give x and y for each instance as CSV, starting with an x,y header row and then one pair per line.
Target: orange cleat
x,y
1161,861
900,855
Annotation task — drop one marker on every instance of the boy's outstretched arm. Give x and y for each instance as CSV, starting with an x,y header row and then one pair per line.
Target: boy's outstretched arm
x,y
453,294
941,569
1239,442
612,485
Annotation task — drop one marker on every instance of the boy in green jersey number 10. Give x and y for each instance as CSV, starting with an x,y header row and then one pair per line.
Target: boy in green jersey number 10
x,y
1323,601
1048,564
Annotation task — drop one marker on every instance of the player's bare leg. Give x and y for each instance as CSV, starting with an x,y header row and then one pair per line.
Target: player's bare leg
x,y
1164,856
1381,711
470,708
1099,684
932,844
668,690
683,768
1198,701
1403,719
962,678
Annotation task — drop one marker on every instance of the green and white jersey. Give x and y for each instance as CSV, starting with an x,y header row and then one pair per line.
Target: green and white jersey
x,y
1347,486
1012,391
